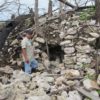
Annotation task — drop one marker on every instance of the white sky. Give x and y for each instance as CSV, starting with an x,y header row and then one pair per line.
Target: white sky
x,y
28,3
43,5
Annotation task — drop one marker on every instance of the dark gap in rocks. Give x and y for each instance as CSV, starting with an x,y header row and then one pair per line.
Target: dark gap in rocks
x,y
97,43
55,52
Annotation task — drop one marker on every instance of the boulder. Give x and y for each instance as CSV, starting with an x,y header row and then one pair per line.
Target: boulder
x,y
20,97
19,63
95,93
37,92
64,22
49,79
69,60
72,73
91,39
36,44
98,80
90,84
44,97
84,49
62,35
75,23
69,50
43,84
70,37
32,85
65,42
59,80
95,35
14,42
40,40
6,70
74,95
22,76
91,72
71,31
83,58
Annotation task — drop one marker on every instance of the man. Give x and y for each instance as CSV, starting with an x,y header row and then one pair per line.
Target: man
x,y
28,52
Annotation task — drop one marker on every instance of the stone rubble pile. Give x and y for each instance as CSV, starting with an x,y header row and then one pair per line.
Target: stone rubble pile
x,y
44,86
77,40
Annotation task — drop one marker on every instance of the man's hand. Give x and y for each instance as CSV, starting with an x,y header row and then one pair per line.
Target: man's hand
x,y
27,61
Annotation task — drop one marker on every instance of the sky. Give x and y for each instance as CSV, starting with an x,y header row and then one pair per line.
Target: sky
x,y
43,6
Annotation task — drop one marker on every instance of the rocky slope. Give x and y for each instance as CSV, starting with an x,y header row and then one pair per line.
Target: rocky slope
x,y
73,46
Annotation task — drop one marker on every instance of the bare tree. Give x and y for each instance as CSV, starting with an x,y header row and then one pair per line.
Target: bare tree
x,y
19,6
76,7
4,5
36,15
50,8
97,4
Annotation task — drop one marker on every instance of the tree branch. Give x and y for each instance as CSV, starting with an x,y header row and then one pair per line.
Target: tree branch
x,y
75,7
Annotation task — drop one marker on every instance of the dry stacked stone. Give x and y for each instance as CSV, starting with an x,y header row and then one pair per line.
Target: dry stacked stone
x,y
69,36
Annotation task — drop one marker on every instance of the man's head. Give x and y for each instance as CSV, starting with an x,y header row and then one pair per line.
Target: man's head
x,y
29,34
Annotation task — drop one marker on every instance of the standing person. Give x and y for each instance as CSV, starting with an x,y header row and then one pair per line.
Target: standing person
x,y
28,52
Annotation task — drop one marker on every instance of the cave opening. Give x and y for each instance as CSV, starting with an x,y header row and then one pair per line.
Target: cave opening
x,y
55,53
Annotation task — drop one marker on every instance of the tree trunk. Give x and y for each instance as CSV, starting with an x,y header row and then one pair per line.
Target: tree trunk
x,y
62,10
36,16
50,8
97,4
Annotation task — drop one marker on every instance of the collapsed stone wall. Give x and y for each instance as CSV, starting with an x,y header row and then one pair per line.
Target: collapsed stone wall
x,y
76,41
75,38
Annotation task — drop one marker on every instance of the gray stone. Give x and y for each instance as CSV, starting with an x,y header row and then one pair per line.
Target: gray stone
x,y
65,42
74,95
62,35
69,37
22,76
37,92
91,72
71,31
40,40
59,80
44,97
75,23
36,44
98,79
95,35
95,93
49,79
91,40
83,58
69,50
42,83
20,97
14,42
69,60
90,85
72,73
84,49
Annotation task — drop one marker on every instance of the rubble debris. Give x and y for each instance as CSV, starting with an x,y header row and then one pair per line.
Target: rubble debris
x,y
69,60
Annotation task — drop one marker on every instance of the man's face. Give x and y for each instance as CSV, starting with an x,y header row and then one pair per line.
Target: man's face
x,y
29,36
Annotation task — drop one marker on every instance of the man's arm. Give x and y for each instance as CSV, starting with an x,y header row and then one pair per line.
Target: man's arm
x,y
25,55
